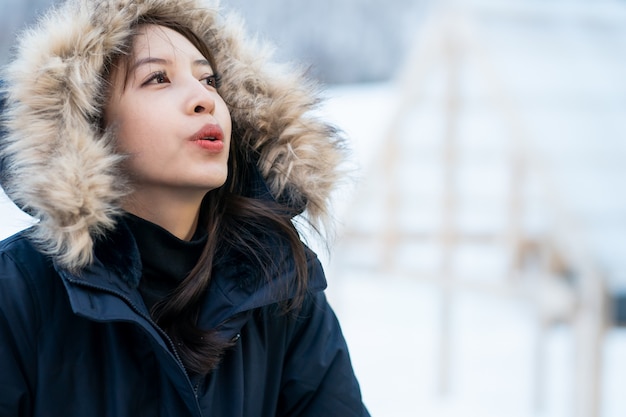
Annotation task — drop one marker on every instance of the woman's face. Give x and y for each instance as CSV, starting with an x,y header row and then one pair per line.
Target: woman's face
x,y
169,118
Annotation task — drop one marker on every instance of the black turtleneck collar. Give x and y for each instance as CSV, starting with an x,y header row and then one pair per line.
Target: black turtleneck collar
x,y
166,260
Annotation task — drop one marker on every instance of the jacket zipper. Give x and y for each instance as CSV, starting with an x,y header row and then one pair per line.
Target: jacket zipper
x,y
165,336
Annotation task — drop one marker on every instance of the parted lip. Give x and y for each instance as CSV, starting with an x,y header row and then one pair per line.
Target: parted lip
x,y
212,132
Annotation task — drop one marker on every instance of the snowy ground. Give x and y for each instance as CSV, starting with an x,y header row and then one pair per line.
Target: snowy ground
x,y
393,322
561,67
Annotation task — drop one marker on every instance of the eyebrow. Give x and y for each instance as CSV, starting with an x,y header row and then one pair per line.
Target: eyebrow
x,y
154,60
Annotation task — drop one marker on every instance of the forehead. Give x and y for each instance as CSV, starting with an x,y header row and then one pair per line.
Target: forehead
x,y
154,40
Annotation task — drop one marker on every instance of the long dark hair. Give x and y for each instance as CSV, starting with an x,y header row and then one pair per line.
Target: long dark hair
x,y
236,222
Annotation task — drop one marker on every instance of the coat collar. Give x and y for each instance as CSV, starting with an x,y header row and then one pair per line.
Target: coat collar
x,y
234,290
105,293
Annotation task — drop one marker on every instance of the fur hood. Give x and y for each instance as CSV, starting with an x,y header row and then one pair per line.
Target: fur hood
x,y
59,166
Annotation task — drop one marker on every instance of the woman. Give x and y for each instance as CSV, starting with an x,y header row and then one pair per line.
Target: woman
x,y
164,160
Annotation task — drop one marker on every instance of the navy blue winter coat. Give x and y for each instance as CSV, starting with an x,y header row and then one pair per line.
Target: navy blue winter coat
x,y
86,345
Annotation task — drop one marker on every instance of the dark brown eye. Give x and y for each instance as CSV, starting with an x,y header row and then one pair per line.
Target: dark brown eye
x,y
157,78
213,80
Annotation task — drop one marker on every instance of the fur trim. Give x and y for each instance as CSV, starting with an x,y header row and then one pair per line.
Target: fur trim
x,y
63,170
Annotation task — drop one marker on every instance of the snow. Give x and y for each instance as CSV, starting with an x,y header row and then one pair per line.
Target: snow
x,y
554,82
499,364
13,220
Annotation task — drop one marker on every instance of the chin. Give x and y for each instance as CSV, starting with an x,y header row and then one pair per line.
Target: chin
x,y
216,182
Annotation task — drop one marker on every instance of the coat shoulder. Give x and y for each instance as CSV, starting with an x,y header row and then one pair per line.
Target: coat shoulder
x,y
19,256
27,276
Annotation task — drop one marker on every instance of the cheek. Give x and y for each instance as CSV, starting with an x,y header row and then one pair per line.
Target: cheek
x,y
134,131
125,141
228,130
225,119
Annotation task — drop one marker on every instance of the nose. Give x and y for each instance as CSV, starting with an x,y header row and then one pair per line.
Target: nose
x,y
201,99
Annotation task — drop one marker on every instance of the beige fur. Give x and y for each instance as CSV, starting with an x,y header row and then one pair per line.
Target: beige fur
x,y
62,169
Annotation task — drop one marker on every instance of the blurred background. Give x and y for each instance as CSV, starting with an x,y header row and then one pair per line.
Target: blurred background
x,y
479,263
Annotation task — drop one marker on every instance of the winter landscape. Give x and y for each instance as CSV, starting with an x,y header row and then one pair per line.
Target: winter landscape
x,y
482,236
